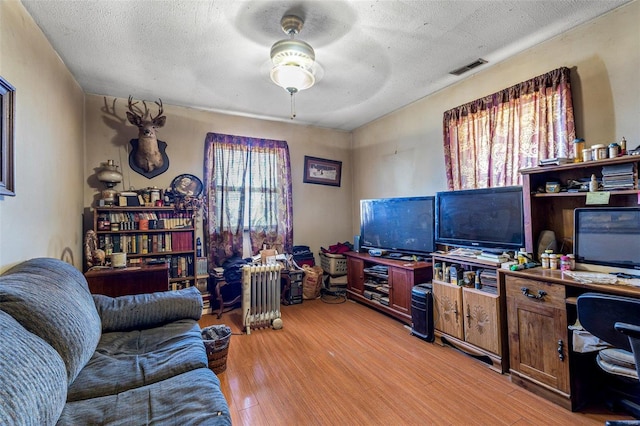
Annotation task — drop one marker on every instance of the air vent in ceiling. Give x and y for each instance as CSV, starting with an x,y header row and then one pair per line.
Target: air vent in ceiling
x,y
468,67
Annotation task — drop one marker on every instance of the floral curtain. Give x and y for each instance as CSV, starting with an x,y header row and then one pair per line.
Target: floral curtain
x,y
488,140
247,183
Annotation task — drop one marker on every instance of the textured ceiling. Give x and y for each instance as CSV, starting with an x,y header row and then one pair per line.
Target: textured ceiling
x,y
377,56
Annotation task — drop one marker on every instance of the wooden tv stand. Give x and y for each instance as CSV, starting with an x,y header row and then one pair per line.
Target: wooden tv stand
x,y
471,319
393,298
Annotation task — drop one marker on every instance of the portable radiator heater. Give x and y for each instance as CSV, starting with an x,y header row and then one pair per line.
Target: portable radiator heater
x,y
261,297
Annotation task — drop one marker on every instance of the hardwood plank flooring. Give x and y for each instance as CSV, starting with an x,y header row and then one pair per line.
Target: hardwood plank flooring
x,y
347,364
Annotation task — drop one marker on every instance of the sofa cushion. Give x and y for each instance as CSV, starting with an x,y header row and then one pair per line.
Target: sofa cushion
x,y
127,360
33,378
148,310
51,299
191,398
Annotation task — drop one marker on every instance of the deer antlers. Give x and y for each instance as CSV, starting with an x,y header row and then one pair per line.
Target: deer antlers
x,y
138,112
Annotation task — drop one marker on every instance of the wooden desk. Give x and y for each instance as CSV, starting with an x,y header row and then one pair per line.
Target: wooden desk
x,y
132,280
541,304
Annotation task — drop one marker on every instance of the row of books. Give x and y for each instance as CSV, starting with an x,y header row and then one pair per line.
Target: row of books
x,y
202,267
131,220
146,243
618,176
488,277
181,266
200,283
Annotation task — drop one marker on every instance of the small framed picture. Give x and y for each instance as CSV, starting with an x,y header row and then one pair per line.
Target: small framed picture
x,y
322,171
7,133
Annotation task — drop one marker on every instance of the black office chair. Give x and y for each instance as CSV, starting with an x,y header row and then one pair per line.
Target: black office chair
x,y
616,320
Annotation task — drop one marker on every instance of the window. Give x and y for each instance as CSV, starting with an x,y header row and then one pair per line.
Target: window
x,y
248,186
487,141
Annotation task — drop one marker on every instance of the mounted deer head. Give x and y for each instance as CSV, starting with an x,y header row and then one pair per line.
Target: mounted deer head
x,y
146,154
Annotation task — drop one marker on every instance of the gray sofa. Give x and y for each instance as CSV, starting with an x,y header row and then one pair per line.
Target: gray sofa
x,y
72,358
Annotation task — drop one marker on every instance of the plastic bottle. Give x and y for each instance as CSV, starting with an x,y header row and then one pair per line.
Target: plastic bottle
x,y
565,263
553,261
593,185
572,261
544,257
623,146
522,256
198,247
437,271
578,146
614,150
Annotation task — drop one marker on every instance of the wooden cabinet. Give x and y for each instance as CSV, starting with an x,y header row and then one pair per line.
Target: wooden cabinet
x,y
448,309
401,282
482,325
132,280
355,275
151,235
554,211
541,305
471,319
385,284
538,336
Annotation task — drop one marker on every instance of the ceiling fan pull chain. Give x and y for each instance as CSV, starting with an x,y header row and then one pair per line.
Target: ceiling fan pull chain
x,y
293,106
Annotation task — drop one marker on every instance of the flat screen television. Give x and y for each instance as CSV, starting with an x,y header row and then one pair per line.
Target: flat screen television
x,y
608,236
490,219
398,225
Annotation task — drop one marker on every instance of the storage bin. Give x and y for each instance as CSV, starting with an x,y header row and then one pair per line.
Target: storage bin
x,y
216,339
333,264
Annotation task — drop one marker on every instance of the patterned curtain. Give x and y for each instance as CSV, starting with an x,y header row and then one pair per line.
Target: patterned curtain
x,y
488,140
247,183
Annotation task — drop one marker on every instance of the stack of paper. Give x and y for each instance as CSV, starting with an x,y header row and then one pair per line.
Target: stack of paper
x,y
619,176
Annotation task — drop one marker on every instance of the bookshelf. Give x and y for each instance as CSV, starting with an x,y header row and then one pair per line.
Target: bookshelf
x,y
618,179
152,235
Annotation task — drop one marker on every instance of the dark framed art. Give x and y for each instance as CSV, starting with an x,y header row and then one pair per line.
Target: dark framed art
x,y
7,133
322,171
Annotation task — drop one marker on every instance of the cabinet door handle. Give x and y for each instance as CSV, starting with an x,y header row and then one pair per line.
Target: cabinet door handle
x,y
561,350
468,315
538,296
455,310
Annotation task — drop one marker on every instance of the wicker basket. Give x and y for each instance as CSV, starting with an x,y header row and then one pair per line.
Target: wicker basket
x,y
333,264
216,340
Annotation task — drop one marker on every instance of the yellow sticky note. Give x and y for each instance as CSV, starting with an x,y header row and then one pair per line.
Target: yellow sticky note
x,y
599,197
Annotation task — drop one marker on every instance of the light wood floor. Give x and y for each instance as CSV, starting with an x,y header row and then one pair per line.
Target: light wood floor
x,y
347,364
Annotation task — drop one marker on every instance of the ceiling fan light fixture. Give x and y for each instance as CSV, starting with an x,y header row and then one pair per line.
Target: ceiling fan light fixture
x,y
293,51
292,78
292,60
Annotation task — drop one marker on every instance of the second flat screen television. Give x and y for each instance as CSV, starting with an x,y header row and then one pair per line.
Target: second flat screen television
x,y
490,219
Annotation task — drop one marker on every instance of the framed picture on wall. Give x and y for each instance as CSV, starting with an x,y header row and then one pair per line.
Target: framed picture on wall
x,y
7,108
322,171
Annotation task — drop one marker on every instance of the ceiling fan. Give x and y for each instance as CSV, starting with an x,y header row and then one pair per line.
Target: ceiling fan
x,y
293,61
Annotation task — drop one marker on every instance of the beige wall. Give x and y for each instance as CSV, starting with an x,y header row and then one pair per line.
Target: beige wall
x,y
321,213
402,153
44,218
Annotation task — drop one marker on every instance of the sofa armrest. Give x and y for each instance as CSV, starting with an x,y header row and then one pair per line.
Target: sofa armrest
x,y
148,310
